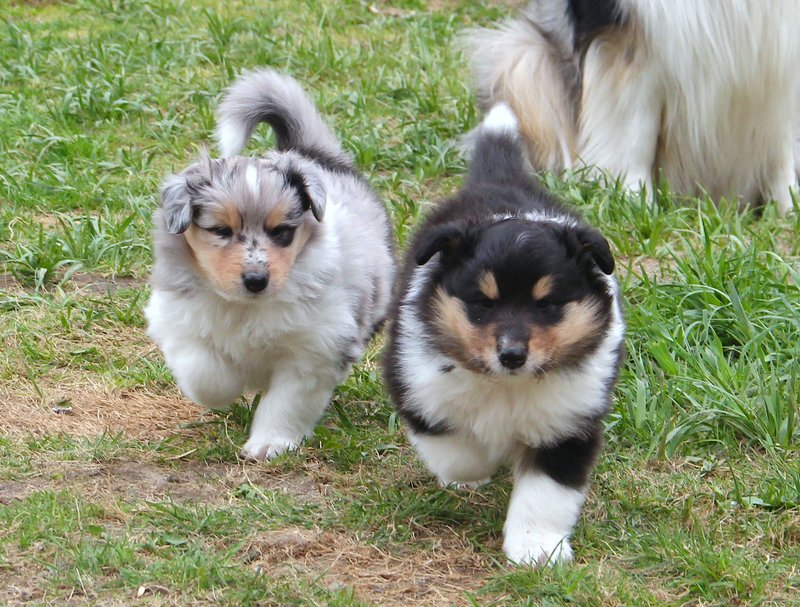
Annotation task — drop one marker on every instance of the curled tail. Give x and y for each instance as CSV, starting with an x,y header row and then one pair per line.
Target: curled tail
x,y
277,99
498,155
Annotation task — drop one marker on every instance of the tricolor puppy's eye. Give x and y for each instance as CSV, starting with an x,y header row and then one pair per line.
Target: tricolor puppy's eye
x,y
282,234
546,304
484,302
221,231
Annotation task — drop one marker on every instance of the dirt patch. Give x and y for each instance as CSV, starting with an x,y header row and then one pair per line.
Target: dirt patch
x,y
89,409
91,282
193,482
9,283
439,575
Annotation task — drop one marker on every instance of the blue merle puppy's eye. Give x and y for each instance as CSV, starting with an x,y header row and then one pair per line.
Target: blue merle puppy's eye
x,y
222,231
282,234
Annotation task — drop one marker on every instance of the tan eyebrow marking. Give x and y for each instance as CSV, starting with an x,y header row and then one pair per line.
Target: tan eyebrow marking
x,y
488,285
543,287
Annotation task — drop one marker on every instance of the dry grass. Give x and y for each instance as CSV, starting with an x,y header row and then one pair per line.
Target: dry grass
x,y
439,575
85,408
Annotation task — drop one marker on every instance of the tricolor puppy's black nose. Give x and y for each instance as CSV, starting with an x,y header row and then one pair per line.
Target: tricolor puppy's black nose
x,y
513,357
255,282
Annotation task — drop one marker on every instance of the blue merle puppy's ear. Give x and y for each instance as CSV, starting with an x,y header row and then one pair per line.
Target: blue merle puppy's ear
x,y
176,204
179,192
306,179
446,239
591,242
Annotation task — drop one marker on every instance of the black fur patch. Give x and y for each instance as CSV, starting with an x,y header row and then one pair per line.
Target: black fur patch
x,y
286,138
570,461
334,164
418,424
298,183
593,16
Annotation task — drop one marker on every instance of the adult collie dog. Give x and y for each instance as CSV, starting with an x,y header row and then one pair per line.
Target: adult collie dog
x,y
704,94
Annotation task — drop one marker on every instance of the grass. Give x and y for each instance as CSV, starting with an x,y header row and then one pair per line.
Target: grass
x,y
130,494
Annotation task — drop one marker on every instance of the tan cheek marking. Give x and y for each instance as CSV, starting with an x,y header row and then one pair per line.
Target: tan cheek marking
x,y
472,345
578,325
281,259
543,287
488,286
541,346
221,266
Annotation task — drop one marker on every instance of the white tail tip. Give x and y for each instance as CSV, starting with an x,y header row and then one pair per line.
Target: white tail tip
x,y
500,119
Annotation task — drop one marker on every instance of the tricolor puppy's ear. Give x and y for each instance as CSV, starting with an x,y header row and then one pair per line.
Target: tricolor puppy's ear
x,y
445,239
306,179
179,191
592,242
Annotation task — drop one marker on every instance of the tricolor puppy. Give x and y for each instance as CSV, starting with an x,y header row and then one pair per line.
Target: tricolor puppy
x,y
270,273
506,342
705,95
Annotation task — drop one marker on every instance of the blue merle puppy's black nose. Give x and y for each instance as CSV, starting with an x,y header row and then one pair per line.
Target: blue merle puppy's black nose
x,y
255,282
513,357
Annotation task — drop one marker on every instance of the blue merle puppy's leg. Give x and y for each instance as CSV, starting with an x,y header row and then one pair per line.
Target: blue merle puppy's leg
x,y
550,484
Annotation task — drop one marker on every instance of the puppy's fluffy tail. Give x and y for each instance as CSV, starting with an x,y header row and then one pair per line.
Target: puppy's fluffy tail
x,y
497,155
529,64
277,99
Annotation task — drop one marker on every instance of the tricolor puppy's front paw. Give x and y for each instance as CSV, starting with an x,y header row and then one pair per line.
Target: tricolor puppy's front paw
x,y
261,448
536,547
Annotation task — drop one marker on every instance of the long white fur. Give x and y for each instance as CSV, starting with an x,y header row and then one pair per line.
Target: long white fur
x,y
541,515
707,92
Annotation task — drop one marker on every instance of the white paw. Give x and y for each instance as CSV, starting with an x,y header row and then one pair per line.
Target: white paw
x,y
463,485
258,448
536,548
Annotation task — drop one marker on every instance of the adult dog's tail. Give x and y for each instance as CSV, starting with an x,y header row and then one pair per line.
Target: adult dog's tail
x,y
268,96
528,63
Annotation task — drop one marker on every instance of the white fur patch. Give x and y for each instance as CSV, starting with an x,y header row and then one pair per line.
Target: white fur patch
x,y
231,137
500,119
251,174
541,515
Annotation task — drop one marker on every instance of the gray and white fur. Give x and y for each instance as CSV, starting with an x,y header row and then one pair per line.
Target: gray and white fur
x,y
271,274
